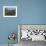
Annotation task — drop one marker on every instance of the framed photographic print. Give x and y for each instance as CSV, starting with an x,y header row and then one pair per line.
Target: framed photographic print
x,y
9,11
33,32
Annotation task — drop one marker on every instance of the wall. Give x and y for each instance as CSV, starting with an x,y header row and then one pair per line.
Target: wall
x,y
29,12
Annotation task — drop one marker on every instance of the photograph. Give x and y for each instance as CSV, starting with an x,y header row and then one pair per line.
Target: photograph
x,y
9,11
29,33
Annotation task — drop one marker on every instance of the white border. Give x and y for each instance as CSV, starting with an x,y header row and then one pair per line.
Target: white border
x,y
18,34
9,7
